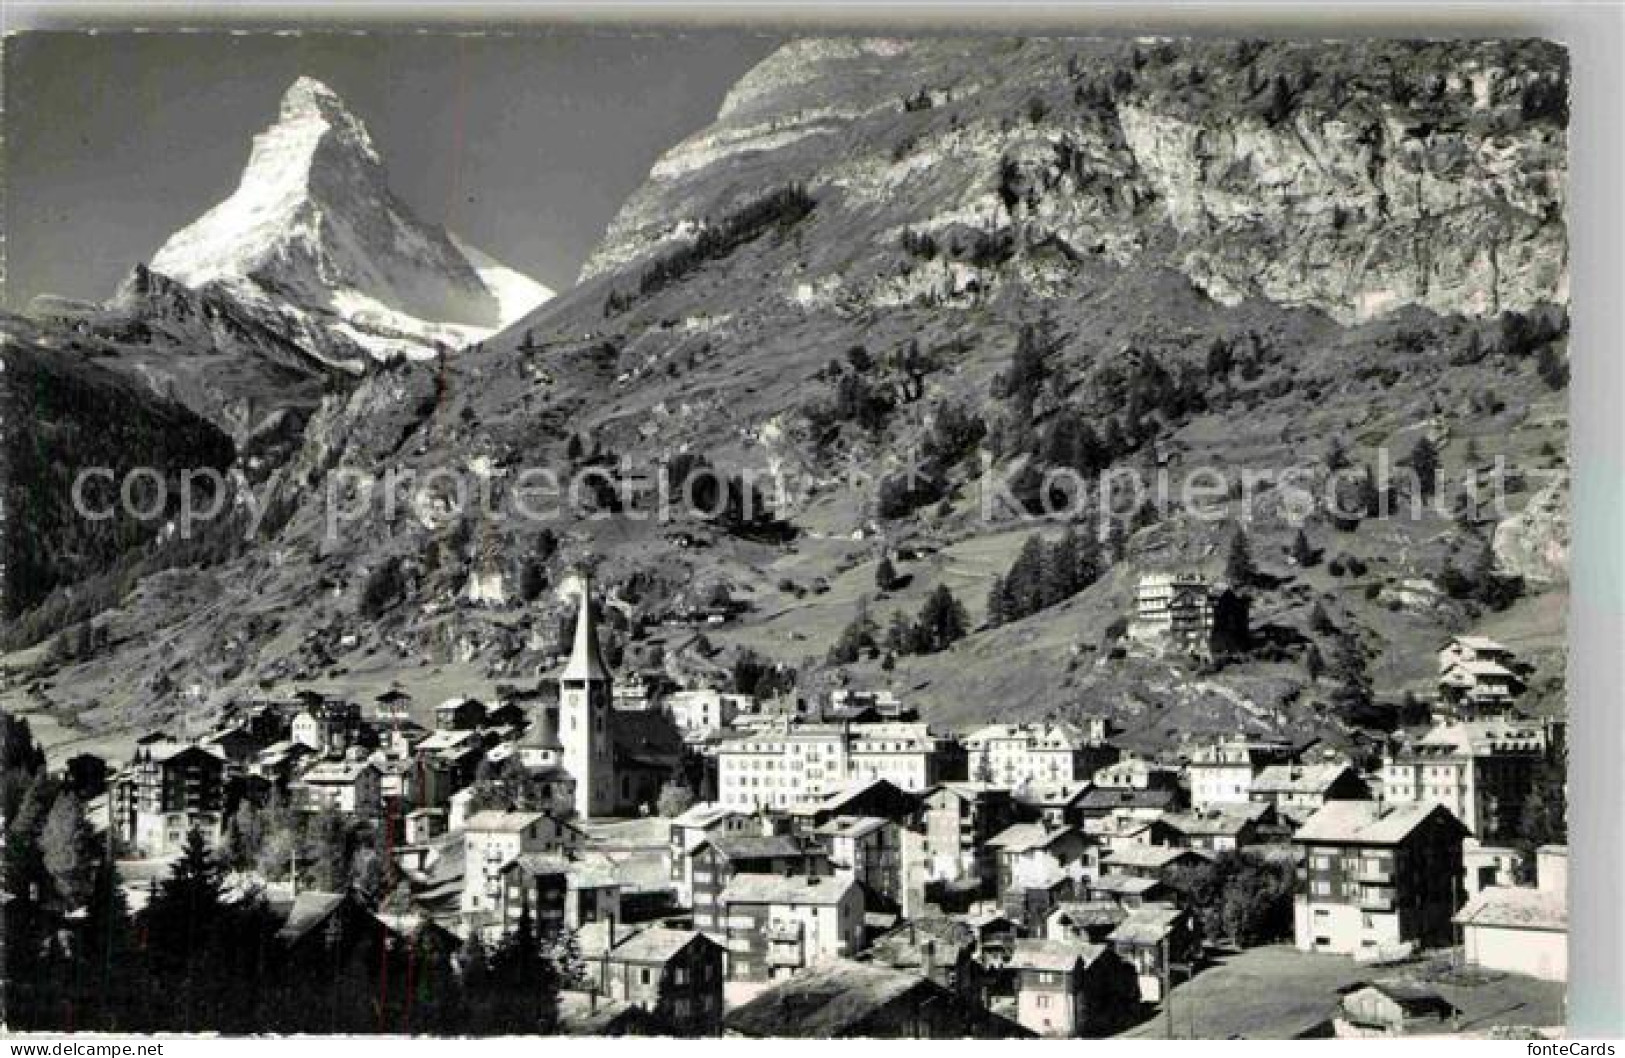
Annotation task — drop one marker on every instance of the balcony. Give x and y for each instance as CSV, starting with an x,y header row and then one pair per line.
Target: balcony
x,y
1376,897
1374,873
784,933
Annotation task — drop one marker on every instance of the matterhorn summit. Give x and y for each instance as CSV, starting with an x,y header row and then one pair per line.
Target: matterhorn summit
x,y
314,234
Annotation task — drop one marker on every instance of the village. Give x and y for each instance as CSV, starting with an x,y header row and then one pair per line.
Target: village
x,y
712,863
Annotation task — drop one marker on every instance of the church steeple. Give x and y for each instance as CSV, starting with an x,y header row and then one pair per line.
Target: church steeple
x,y
586,718
586,662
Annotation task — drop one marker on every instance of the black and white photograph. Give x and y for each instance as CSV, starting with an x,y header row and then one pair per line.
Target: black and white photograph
x,y
745,531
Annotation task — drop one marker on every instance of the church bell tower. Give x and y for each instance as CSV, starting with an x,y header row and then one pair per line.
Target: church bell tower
x,y
585,716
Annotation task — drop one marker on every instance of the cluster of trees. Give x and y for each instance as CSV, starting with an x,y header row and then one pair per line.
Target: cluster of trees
x,y
206,955
1044,574
760,677
780,209
1242,897
1479,581
200,957
87,417
940,623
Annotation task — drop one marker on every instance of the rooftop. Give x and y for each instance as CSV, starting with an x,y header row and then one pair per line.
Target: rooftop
x,y
1051,955
1504,907
1368,823
778,889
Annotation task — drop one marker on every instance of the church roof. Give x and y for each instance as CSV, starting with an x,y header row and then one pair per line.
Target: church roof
x,y
586,662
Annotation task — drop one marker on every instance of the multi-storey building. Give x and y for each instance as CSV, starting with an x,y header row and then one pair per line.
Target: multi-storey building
x,y
699,711
790,763
1298,791
718,860
777,925
700,823
866,849
351,787
491,841
1221,771
960,819
1482,770
1011,754
674,974
1378,880
910,755
166,790
1065,990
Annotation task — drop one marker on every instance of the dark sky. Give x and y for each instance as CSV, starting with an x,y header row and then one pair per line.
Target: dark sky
x,y
524,145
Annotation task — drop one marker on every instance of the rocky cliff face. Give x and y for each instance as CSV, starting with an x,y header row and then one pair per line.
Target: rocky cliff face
x,y
1354,182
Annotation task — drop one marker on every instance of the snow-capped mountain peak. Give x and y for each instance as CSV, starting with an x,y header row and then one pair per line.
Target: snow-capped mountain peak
x,y
314,229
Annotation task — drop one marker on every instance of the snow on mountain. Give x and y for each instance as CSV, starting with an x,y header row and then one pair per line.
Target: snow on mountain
x,y
516,293
314,233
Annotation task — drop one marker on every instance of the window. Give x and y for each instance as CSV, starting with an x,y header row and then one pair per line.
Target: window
x,y
645,975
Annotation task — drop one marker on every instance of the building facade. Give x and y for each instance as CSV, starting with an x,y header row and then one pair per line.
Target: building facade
x,y
1378,880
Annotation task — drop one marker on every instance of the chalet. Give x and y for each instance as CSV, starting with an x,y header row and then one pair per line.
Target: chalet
x,y
166,790
777,925
960,819
1142,803
1033,852
697,824
675,974
349,787
1464,649
393,706
1216,831
1070,990
1029,902
866,849
561,892
1298,791
718,860
1157,942
852,1000
1377,880
492,840
1056,804
589,1014
1084,921
1392,1008
317,921
1151,861
1129,891
459,714
870,798
941,949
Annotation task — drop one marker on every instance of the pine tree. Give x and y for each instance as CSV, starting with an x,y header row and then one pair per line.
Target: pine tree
x,y
1302,553
1320,621
1424,461
1060,569
885,574
1000,608
1025,580
1238,565
68,846
942,621
1313,664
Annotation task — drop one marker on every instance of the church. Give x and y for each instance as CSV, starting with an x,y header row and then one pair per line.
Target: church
x,y
616,760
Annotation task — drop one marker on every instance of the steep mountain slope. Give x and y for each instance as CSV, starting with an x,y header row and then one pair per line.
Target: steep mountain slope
x,y
64,413
313,229
1246,258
